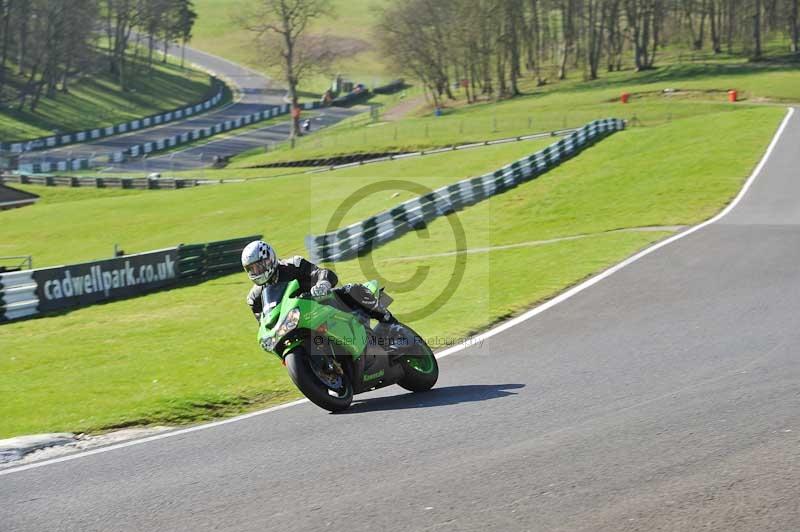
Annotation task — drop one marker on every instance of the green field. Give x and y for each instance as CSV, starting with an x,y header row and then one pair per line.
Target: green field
x,y
99,101
143,221
190,353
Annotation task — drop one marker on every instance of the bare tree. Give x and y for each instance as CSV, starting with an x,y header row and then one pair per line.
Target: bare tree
x,y
281,29
757,5
794,23
121,17
415,36
644,20
185,20
595,22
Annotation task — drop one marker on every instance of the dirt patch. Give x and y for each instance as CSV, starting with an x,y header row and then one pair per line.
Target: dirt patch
x,y
707,94
404,108
345,46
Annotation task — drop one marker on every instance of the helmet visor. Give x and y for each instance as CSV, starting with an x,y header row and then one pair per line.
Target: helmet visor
x,y
257,268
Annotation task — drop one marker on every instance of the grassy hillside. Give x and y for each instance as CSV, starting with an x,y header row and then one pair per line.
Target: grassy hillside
x,y
692,89
219,32
99,101
190,353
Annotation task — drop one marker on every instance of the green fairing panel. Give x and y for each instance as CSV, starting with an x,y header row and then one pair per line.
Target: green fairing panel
x,y
343,329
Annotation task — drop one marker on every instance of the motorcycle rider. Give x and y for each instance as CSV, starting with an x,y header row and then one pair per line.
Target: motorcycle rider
x,y
264,268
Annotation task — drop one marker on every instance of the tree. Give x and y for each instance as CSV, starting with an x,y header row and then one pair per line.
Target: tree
x,y
596,13
44,44
282,34
415,36
644,20
121,17
756,55
185,22
793,25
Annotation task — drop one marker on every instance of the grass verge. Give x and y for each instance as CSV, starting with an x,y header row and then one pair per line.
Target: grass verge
x,y
99,101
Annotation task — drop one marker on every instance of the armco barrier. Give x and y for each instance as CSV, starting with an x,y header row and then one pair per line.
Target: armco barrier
x,y
17,295
65,139
142,183
161,144
28,293
213,258
414,214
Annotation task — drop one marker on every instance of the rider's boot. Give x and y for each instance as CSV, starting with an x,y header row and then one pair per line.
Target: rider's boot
x,y
367,300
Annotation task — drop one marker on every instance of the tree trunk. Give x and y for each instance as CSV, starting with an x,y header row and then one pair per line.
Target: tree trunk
x,y
793,24
23,45
23,95
698,45
757,31
150,46
513,13
6,6
65,77
567,37
731,24
714,17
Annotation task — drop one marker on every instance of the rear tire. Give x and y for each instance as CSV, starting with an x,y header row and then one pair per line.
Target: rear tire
x,y
420,365
298,362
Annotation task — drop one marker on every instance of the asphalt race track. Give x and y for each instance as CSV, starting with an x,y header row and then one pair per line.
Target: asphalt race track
x,y
664,397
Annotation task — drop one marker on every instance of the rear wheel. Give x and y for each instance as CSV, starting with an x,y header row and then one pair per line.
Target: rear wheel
x,y
319,378
419,364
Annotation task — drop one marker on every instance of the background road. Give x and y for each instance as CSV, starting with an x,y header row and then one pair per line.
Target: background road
x,y
256,92
662,398
203,154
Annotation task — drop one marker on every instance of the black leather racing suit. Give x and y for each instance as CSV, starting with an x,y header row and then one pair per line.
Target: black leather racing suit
x,y
308,275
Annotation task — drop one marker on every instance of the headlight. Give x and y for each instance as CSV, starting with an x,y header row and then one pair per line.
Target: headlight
x,y
268,343
289,323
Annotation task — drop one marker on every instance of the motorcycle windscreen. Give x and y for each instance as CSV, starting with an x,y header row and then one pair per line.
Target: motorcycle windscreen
x,y
271,296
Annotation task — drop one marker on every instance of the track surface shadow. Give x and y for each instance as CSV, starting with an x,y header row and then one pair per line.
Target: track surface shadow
x,y
447,395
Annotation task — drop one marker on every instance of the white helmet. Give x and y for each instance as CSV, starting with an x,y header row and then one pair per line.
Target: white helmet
x,y
260,262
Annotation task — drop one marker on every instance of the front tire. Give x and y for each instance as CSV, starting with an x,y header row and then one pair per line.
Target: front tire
x,y
299,364
420,365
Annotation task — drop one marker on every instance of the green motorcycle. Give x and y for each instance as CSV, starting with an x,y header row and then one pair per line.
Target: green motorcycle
x,y
331,350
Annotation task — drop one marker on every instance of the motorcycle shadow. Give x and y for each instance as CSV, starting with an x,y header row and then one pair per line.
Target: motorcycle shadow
x,y
443,396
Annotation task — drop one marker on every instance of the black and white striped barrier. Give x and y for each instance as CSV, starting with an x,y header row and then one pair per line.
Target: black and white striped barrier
x,y
65,139
147,148
18,295
414,214
58,166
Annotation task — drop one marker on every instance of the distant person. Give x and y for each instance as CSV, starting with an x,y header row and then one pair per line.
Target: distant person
x,y
263,268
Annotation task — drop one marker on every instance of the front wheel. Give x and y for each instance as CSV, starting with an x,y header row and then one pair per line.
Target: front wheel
x,y
319,380
419,364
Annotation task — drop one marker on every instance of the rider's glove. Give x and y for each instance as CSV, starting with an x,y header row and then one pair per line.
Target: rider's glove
x,y
320,289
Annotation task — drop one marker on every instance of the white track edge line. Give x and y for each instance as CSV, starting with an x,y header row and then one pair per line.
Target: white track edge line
x,y
471,341
630,260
